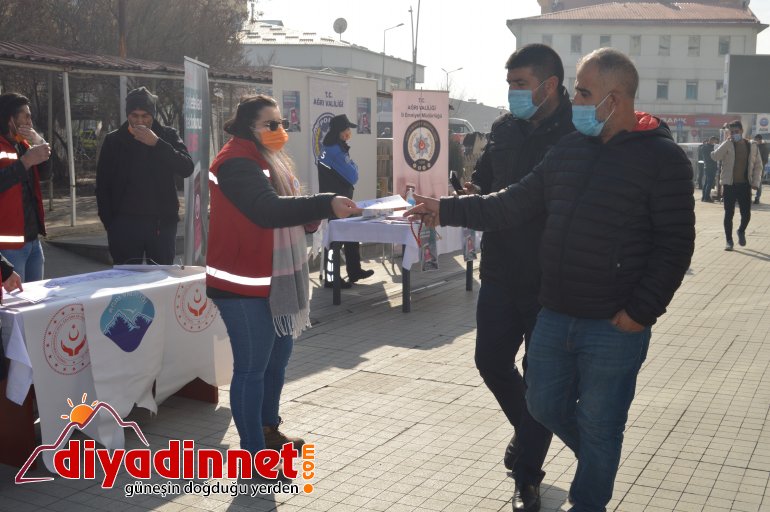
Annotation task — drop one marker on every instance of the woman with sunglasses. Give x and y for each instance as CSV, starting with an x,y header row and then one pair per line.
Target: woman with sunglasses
x,y
256,265
338,173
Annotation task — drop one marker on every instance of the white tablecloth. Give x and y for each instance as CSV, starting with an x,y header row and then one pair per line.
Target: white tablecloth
x,y
111,335
356,229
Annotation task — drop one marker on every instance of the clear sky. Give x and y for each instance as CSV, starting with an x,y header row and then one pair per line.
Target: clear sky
x,y
452,34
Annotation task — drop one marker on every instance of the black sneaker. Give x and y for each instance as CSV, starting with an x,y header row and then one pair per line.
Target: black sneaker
x,y
742,238
361,274
729,246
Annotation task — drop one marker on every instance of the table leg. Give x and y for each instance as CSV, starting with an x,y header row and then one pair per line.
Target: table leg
x,y
469,275
17,429
337,291
406,287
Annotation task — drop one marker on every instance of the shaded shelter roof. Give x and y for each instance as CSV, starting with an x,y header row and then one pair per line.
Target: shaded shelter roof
x,y
49,57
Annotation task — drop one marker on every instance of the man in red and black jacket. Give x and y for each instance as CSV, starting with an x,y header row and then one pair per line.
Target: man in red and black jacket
x,y
23,159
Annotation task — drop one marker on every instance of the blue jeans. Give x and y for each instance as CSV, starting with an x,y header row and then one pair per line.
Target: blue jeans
x,y
581,379
260,357
28,261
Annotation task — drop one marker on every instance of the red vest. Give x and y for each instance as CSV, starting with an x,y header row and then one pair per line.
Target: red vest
x,y
11,206
239,256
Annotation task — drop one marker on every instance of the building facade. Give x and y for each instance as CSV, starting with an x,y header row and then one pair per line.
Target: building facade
x,y
268,42
679,50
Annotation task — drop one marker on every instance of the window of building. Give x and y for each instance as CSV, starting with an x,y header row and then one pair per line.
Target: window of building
x,y
576,44
636,46
662,90
548,39
664,46
605,41
691,92
720,89
724,45
693,47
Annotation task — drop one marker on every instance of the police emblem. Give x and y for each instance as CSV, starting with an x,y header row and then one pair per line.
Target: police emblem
x,y
422,145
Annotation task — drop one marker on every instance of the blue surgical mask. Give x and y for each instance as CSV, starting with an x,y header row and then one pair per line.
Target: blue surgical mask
x,y
520,102
737,137
584,119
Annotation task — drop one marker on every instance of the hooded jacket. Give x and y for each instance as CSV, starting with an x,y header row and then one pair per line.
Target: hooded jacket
x,y
620,222
510,256
133,178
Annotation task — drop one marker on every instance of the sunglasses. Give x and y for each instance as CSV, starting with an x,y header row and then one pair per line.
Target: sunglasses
x,y
273,125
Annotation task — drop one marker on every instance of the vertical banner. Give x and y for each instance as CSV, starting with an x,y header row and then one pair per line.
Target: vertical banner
x,y
364,114
291,110
421,142
327,99
197,135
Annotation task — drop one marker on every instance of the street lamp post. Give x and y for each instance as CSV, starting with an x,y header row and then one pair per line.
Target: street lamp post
x,y
447,75
383,51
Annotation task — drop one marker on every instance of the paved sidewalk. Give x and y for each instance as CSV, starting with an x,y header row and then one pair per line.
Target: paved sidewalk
x,y
402,421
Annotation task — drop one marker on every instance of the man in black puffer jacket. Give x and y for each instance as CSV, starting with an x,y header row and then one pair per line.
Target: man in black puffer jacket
x,y
135,189
618,238
507,308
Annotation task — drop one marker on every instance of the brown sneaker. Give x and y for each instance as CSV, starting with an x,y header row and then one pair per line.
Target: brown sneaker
x,y
275,439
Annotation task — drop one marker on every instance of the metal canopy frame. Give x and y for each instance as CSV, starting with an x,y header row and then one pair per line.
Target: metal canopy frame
x,y
66,70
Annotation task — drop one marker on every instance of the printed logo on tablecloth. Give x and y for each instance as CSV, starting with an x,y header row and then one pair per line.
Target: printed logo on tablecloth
x,y
193,310
126,319
65,344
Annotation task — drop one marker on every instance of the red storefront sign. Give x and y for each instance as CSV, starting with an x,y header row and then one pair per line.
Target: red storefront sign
x,y
697,120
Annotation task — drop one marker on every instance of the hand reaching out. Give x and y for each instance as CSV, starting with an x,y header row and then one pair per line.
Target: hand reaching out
x,y
344,207
426,210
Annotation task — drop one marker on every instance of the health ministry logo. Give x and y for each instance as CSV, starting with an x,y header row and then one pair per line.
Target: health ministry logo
x,y
126,320
179,460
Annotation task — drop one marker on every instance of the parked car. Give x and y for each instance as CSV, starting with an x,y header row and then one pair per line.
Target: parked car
x,y
459,128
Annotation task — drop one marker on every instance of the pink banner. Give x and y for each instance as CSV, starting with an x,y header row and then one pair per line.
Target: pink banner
x,y
421,142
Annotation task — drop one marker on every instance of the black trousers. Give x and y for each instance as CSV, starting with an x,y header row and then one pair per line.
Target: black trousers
x,y
708,184
503,322
132,238
742,194
352,260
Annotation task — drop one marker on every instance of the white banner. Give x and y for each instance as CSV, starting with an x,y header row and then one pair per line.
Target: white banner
x,y
421,142
327,99
197,138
